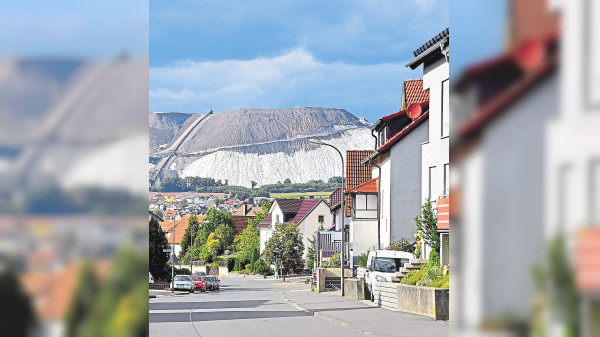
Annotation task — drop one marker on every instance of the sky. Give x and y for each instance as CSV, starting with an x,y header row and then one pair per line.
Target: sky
x,y
74,29
217,55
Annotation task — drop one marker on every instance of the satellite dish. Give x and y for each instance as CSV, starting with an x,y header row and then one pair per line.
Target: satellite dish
x,y
530,54
414,110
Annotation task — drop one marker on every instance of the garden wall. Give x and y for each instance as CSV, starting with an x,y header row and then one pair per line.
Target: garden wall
x,y
427,301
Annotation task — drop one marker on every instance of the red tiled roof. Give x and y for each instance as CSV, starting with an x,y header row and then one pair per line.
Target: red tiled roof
x,y
356,173
307,207
241,222
370,186
180,227
587,262
289,205
498,104
400,135
511,93
266,222
414,93
336,198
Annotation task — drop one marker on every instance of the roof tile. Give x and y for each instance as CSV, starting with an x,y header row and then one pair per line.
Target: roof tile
x,y
414,93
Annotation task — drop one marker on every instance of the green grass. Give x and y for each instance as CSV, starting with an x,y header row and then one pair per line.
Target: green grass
x,y
322,195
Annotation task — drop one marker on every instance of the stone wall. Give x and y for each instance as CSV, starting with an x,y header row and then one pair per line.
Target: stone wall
x,y
432,302
354,289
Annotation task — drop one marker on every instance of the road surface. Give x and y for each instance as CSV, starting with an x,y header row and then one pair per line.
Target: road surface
x,y
242,307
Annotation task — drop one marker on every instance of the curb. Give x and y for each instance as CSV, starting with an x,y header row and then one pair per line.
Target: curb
x,y
325,317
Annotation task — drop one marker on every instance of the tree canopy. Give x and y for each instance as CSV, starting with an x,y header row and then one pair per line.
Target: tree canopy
x,y
157,242
285,247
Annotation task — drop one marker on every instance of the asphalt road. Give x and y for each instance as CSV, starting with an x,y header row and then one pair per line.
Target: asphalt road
x,y
242,307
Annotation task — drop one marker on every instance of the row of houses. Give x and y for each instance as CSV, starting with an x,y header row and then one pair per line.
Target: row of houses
x,y
385,188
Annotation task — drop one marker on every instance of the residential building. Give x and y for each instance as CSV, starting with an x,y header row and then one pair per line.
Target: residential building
x,y
241,222
435,162
397,165
307,214
363,218
503,108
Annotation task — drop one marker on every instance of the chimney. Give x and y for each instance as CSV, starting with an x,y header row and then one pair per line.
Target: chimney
x,y
531,19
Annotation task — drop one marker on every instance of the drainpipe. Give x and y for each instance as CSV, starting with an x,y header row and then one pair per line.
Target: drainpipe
x,y
372,135
378,195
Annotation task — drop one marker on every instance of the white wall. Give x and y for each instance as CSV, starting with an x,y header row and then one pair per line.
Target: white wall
x,y
384,198
405,183
363,235
265,235
310,224
502,226
435,150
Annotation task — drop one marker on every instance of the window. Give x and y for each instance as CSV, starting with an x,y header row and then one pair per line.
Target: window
x,y
430,182
445,109
276,218
446,179
594,200
321,218
364,206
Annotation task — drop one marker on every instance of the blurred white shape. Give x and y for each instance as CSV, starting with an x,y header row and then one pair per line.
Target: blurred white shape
x,y
113,166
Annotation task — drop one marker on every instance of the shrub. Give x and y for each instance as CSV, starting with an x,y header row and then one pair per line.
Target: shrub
x,y
442,282
362,260
334,261
184,271
215,264
431,274
414,276
403,245
231,263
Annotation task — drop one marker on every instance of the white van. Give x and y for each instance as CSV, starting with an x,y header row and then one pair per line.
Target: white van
x,y
382,265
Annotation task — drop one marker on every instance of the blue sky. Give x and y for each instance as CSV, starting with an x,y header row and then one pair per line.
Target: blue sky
x,y
74,28
217,55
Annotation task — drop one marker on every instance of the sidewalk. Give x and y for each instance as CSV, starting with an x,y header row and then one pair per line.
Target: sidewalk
x,y
365,318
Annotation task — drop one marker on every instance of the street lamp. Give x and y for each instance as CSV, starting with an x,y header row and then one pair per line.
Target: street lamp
x,y
343,210
173,256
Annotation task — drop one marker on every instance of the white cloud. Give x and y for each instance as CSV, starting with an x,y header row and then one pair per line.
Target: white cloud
x,y
292,79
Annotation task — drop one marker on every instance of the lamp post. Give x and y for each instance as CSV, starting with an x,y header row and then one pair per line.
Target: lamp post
x,y
173,256
343,210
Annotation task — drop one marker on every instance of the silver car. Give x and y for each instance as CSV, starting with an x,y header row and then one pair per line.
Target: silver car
x,y
183,282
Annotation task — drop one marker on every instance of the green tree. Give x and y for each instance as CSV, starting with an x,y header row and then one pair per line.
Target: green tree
x,y
157,242
83,299
287,181
119,306
285,247
248,240
226,234
213,244
17,317
191,230
427,224
214,218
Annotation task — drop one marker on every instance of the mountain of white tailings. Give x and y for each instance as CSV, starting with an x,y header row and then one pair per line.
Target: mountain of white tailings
x,y
262,145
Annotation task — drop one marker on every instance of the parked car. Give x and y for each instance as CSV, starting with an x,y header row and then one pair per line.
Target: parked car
x,y
183,282
382,265
213,282
150,278
199,283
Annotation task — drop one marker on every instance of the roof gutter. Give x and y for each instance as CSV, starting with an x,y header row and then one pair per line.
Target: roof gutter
x,y
419,59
